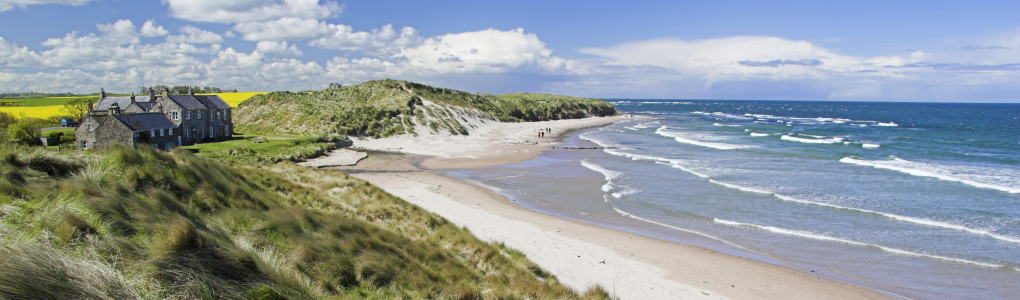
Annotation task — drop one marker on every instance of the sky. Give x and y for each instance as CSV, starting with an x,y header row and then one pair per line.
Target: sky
x,y
930,51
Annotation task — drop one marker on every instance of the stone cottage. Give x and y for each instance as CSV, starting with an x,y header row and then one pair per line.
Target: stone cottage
x,y
194,119
99,131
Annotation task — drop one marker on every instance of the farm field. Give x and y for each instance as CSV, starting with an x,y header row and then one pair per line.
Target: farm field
x,y
236,98
40,101
50,106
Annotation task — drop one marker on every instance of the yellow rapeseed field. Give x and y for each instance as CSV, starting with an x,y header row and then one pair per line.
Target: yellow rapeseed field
x,y
236,98
43,112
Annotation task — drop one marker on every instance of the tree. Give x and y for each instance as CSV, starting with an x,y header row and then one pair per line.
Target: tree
x,y
26,131
77,108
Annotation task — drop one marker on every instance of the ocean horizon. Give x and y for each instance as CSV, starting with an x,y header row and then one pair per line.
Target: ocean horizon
x,y
915,200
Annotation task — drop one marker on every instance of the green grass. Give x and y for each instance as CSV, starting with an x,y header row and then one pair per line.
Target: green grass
x,y
381,108
267,149
147,224
41,101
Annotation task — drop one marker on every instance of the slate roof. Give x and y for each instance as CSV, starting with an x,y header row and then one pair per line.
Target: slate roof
x,y
212,101
187,102
145,122
146,105
122,101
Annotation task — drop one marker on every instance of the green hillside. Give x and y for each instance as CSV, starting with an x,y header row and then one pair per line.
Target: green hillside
x,y
388,107
146,224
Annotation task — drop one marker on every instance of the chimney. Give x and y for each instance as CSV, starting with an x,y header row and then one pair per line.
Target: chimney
x,y
132,97
165,92
90,107
114,109
191,91
102,93
152,94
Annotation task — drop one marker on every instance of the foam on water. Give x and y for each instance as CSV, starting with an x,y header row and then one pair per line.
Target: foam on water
x,y
645,125
1004,181
919,221
834,140
676,136
755,134
870,145
610,175
890,124
814,236
632,216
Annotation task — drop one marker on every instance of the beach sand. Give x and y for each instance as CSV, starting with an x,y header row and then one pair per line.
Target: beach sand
x,y
580,255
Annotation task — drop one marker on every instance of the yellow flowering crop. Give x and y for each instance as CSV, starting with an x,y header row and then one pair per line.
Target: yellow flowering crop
x,y
41,112
233,99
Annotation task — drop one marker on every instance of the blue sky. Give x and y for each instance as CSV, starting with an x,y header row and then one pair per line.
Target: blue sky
x,y
783,50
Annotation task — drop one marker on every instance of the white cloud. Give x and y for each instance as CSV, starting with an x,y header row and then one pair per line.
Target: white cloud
x,y
192,34
277,47
749,57
6,5
285,29
119,32
150,29
116,48
381,41
486,51
239,11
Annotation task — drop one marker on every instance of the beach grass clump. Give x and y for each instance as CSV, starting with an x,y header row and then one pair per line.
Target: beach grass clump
x,y
381,108
147,224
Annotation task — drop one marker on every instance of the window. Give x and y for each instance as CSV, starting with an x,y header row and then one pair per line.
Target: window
x,y
219,115
212,133
88,126
152,132
84,144
135,137
162,131
199,115
226,130
175,115
211,113
185,133
155,146
171,131
187,116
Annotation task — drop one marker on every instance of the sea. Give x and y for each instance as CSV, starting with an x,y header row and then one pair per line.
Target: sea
x,y
914,200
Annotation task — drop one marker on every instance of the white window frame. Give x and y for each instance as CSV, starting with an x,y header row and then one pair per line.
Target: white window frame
x,y
175,115
162,132
199,115
187,116
170,131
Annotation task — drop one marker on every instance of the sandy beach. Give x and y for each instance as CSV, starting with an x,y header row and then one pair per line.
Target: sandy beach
x,y
578,254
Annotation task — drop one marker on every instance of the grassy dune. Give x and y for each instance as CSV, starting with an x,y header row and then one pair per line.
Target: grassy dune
x,y
381,108
145,224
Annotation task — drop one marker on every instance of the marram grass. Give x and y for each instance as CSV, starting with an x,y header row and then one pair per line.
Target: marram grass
x,y
146,224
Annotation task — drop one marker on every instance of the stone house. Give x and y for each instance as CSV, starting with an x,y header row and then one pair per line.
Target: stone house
x,y
99,131
200,118
195,119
